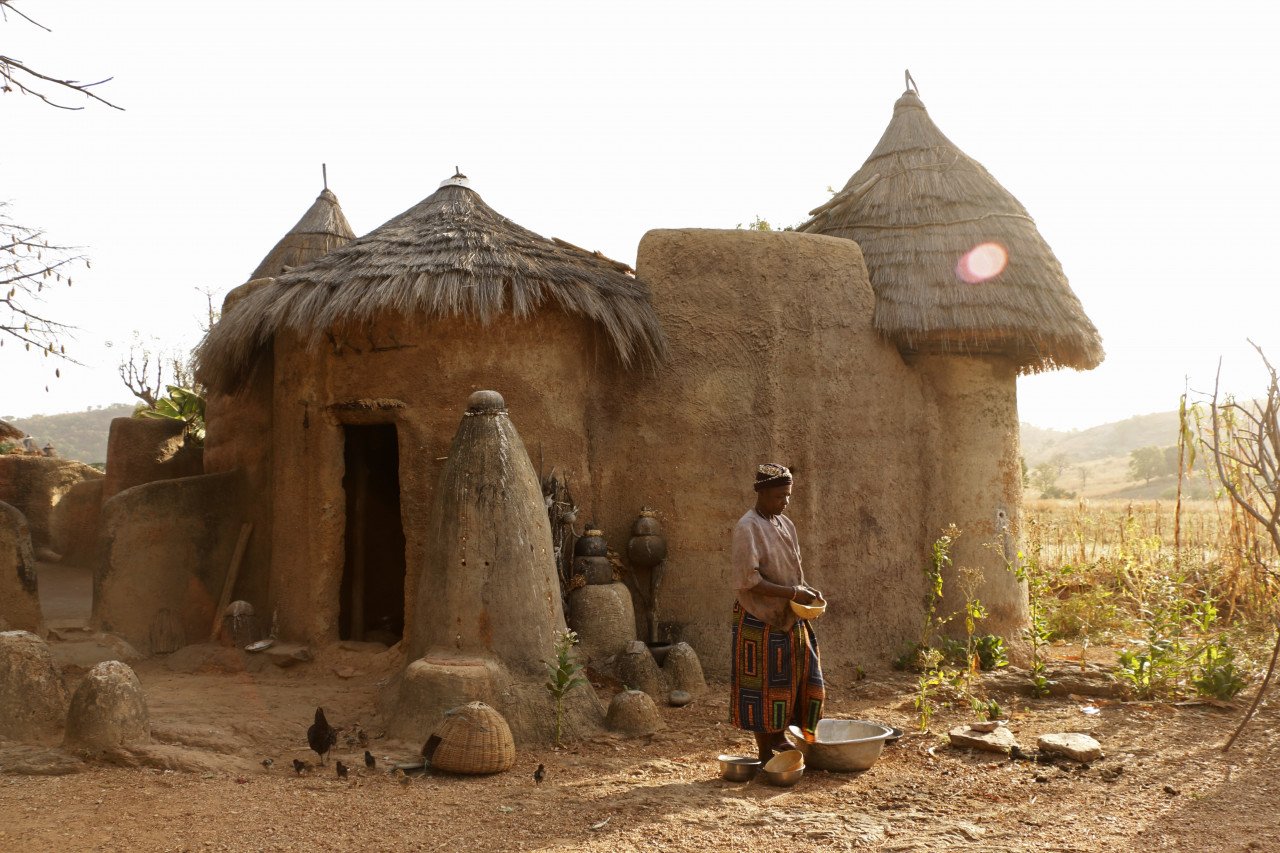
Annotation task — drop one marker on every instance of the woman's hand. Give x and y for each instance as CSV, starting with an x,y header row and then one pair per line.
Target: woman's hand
x,y
805,595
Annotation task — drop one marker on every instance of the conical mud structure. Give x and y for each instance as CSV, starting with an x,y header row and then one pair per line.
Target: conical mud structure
x,y
488,602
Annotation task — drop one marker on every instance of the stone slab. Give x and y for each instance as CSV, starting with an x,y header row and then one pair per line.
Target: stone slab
x,y
1001,740
1073,745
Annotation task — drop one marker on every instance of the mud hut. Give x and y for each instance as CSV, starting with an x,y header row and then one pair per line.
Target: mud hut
x,y
371,345
238,415
972,296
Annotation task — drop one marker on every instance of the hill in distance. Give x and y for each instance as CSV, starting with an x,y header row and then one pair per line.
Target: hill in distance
x,y
1095,461
76,435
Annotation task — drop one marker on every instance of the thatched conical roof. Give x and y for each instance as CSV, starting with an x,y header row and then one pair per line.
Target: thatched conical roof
x,y
321,229
956,262
449,255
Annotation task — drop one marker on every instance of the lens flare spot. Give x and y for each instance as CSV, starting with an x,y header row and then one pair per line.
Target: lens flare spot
x,y
982,263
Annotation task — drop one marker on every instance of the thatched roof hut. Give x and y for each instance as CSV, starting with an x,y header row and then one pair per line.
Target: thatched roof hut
x,y
956,262
321,229
449,255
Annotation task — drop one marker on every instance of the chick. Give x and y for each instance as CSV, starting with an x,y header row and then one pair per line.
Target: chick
x,y
299,766
267,762
539,774
342,769
369,760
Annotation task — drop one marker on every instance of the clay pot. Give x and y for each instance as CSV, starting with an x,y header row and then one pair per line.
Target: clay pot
x,y
591,544
594,569
648,547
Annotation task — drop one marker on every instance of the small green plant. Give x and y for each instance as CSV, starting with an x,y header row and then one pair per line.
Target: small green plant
x,y
1216,673
930,681
1037,633
990,651
986,709
181,404
563,675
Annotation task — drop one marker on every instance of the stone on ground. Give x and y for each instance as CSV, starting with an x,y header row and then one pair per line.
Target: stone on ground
x,y
1000,740
638,670
33,699
1073,745
633,713
679,698
108,710
683,670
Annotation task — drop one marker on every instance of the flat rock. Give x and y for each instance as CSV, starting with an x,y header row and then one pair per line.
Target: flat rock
x,y
1073,745
679,698
1001,740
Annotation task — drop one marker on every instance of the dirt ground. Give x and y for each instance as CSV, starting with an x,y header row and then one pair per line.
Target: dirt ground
x,y
202,786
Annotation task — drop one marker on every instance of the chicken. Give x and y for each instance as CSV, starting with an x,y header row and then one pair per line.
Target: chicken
x,y
539,775
369,760
321,736
341,768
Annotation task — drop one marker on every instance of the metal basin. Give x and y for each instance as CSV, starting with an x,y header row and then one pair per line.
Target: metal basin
x,y
738,768
842,745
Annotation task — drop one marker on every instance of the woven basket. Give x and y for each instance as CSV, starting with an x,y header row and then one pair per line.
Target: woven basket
x,y
474,739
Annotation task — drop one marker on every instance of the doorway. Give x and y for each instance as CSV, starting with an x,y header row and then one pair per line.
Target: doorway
x,y
372,595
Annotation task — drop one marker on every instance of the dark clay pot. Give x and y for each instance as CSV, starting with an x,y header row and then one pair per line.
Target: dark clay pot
x,y
591,544
646,551
594,569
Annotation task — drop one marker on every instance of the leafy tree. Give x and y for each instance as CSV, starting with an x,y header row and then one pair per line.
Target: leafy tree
x,y
1150,463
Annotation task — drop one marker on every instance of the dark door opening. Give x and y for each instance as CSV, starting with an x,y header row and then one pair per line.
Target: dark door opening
x,y
372,606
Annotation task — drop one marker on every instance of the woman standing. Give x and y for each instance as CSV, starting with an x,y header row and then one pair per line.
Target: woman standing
x,y
776,673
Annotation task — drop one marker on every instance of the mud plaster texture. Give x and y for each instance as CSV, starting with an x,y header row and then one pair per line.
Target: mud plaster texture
x,y
238,438
36,484
488,607
774,359
108,710
416,376
74,523
19,598
144,450
976,481
33,698
166,545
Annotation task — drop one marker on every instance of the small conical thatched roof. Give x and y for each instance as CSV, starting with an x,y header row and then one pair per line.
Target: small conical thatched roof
x,y
321,229
919,208
451,255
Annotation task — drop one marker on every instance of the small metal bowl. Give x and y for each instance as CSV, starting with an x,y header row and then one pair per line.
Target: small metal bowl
x,y
738,768
784,769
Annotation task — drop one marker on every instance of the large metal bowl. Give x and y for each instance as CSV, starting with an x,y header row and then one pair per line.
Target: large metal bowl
x,y
738,768
842,745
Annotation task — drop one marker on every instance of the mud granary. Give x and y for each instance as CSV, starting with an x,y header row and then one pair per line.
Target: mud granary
x,y
875,350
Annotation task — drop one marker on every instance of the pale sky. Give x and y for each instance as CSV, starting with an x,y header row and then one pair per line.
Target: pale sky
x,y
1140,136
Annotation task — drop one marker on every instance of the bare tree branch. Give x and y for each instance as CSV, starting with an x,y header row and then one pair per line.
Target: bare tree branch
x,y
16,74
1245,457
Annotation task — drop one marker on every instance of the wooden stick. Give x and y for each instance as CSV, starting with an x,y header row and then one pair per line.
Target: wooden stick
x,y
229,583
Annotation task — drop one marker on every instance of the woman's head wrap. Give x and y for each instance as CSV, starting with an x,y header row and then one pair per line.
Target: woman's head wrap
x,y
771,474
